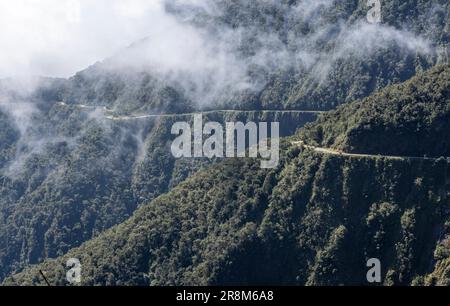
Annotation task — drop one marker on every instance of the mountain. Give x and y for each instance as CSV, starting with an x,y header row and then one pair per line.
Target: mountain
x,y
316,219
309,55
72,173
75,161
408,120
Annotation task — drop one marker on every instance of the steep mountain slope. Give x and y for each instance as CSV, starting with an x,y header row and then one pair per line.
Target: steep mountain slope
x,y
314,220
68,174
406,120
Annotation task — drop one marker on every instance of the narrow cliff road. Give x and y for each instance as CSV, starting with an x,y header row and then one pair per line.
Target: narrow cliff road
x,y
359,155
146,116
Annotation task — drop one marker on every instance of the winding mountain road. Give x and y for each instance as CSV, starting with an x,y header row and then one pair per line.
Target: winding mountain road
x,y
137,117
358,155
297,143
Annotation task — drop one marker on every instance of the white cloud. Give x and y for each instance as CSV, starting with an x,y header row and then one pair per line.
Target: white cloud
x,y
60,37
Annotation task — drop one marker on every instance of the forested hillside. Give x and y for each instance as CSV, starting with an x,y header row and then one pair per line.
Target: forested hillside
x,y
314,220
74,174
68,173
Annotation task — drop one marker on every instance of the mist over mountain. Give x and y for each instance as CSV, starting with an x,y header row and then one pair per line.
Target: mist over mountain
x,y
266,55
81,176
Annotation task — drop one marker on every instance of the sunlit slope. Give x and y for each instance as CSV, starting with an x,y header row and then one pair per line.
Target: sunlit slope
x,y
412,119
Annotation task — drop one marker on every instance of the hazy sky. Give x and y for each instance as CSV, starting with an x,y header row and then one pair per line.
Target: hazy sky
x,y
60,37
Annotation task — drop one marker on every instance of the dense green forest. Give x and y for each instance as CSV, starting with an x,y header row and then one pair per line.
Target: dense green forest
x,y
415,115
67,174
73,176
314,220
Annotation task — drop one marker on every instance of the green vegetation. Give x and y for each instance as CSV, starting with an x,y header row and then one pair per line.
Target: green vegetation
x,y
68,177
326,57
314,220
